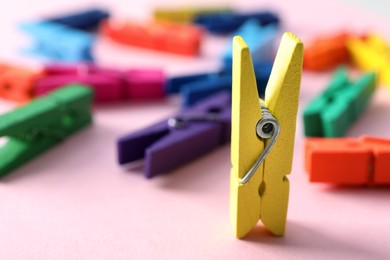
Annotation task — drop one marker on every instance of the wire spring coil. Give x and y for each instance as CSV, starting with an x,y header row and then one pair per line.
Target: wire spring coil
x,y
267,128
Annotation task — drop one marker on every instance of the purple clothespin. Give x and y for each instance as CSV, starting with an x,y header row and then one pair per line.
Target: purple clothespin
x,y
180,139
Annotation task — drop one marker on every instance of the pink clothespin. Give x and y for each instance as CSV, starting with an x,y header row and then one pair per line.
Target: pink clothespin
x,y
109,84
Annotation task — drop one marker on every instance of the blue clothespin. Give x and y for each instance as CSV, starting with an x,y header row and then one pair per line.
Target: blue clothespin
x,y
260,40
59,42
222,23
86,20
194,88
178,140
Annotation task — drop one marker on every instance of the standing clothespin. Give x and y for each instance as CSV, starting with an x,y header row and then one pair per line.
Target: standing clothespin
x,y
334,111
263,134
348,161
41,124
181,138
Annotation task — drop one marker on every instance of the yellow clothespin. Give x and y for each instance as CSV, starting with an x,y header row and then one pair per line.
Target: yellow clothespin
x,y
263,135
371,54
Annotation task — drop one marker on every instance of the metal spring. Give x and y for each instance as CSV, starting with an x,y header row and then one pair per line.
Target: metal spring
x,y
267,127
179,121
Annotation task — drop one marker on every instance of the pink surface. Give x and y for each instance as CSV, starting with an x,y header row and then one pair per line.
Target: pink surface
x,y
74,202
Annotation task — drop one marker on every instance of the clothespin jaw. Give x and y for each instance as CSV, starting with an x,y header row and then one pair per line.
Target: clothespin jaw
x,y
70,45
265,195
34,128
372,54
17,84
333,112
348,161
85,20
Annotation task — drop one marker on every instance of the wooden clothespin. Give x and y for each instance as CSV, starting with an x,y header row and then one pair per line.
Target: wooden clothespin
x,y
348,161
372,54
186,15
340,105
263,135
41,124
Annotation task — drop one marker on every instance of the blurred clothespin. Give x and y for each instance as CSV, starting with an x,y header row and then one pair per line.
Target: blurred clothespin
x,y
186,15
36,127
194,88
327,52
348,161
263,134
108,84
180,139
372,54
260,40
183,39
59,42
222,23
339,106
17,83
86,20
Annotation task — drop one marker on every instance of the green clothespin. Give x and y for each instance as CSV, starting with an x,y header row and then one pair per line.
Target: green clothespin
x,y
36,127
339,106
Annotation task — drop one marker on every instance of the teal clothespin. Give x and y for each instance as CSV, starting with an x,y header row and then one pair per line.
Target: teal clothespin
x,y
34,128
339,106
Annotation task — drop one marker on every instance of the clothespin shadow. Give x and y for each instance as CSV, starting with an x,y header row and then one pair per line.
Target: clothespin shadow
x,y
179,139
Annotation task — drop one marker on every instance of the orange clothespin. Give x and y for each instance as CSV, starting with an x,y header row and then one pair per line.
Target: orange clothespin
x,y
17,83
326,53
348,161
163,36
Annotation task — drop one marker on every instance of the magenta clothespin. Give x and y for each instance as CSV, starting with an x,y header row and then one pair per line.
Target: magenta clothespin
x,y
145,84
108,84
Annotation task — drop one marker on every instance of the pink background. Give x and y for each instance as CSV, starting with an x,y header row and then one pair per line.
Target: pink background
x,y
75,202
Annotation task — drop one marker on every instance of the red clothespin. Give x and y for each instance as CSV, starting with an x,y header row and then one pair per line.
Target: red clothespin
x,y
108,84
17,83
163,36
348,161
326,52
